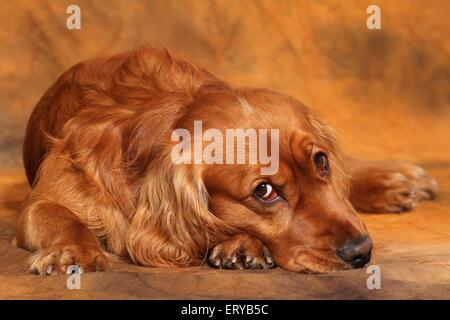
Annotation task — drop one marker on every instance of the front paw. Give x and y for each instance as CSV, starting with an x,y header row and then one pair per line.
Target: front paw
x,y
392,187
241,252
57,258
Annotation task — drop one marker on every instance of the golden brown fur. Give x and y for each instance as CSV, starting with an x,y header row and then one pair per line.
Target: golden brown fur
x,y
97,153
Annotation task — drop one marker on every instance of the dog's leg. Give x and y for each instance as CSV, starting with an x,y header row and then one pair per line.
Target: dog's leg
x,y
241,251
60,239
388,186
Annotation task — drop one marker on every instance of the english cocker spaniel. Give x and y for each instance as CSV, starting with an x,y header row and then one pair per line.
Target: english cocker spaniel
x,y
135,154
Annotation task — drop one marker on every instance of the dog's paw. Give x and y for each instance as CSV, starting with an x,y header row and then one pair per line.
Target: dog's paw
x,y
56,259
392,187
241,252
395,193
424,185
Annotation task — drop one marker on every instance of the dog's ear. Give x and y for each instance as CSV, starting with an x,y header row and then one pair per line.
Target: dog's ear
x,y
328,136
301,145
324,133
172,225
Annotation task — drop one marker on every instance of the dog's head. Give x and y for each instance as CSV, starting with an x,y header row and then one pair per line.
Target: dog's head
x,y
300,209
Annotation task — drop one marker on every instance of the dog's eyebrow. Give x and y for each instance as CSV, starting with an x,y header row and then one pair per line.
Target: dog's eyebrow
x,y
245,105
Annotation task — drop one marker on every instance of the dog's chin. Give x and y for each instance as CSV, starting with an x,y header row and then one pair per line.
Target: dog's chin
x,y
313,264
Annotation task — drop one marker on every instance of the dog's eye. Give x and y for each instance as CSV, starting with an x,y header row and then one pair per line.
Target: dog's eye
x,y
321,162
266,192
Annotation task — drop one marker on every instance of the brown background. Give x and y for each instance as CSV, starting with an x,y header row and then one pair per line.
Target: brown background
x,y
386,91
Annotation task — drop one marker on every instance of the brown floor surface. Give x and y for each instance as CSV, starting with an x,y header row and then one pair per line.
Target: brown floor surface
x,y
412,250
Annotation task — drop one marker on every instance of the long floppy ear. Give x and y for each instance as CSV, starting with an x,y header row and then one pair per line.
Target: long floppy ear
x,y
328,136
172,225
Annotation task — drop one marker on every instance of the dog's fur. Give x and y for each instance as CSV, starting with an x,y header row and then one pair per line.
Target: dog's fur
x,y
97,154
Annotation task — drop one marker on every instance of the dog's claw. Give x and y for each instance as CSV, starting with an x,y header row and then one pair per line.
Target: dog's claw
x,y
56,259
241,252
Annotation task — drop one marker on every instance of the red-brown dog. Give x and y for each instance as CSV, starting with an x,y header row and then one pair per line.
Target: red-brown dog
x,y
98,156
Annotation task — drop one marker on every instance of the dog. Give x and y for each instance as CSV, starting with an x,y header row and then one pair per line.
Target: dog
x,y
97,153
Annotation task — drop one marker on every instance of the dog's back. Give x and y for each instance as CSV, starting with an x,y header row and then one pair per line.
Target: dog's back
x,y
130,80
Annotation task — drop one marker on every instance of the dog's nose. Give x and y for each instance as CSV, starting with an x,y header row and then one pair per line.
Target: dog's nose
x,y
356,252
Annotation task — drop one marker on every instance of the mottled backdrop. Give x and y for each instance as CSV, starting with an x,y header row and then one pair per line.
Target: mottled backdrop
x,y
386,91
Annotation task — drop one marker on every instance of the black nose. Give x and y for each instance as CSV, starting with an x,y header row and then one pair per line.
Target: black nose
x,y
356,252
